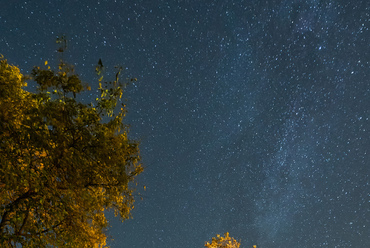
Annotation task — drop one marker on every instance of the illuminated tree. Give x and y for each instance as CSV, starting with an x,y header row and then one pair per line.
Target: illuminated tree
x,y
61,164
224,242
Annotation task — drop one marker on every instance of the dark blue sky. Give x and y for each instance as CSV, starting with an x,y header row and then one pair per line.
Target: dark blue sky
x,y
253,116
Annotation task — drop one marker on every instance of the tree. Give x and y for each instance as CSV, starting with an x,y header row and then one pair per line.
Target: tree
x,y
61,163
224,242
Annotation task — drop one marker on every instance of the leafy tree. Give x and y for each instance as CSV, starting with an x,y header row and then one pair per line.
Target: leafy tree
x,y
224,242
61,164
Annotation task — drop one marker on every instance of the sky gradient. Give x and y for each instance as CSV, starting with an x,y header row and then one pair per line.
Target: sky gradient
x,y
253,116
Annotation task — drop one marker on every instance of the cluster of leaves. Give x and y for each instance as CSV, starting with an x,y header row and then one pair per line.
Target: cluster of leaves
x,y
223,242
61,165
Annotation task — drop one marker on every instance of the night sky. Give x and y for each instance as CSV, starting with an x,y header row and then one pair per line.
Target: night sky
x,y
253,116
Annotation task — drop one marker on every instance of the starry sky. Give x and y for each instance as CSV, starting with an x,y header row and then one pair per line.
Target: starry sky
x,y
253,116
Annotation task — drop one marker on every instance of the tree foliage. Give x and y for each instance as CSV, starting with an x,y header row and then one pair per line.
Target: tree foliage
x,y
223,242
61,164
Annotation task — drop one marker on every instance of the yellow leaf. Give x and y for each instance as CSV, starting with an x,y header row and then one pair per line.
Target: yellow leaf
x,y
46,62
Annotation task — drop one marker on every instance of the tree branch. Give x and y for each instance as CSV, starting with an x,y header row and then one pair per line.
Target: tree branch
x,y
11,207
24,221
